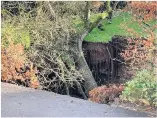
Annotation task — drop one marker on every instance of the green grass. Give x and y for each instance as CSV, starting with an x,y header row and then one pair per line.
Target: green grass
x,y
115,28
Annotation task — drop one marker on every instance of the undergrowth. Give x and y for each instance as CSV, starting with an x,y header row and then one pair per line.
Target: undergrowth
x,y
15,66
16,33
142,88
43,41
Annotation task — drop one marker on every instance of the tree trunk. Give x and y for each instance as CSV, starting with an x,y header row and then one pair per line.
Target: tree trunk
x,y
90,82
87,14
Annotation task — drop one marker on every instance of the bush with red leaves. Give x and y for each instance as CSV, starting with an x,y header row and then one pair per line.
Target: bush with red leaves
x,y
13,69
145,9
105,94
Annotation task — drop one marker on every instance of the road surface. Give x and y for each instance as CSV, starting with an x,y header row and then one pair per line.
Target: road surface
x,y
17,101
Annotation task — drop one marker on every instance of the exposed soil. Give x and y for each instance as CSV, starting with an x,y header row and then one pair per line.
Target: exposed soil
x,y
107,66
104,59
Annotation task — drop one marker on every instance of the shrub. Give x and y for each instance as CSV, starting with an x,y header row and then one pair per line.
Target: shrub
x,y
53,48
53,40
105,94
142,88
15,39
145,9
13,66
16,34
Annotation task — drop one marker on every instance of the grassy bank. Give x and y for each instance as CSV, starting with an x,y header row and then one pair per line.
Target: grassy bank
x,y
119,26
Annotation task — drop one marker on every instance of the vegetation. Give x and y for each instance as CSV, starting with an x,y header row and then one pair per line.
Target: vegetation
x,y
42,47
16,34
142,88
117,27
15,65
139,53
47,36
104,94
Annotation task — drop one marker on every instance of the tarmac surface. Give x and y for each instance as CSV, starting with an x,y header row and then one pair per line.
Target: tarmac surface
x,y
17,101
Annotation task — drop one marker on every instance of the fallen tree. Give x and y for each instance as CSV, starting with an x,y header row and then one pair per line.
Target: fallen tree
x,y
51,33
90,82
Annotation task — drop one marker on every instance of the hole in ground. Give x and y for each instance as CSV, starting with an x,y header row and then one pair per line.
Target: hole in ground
x,y
104,59
101,58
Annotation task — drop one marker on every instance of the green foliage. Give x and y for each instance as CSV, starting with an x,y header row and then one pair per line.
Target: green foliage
x,y
15,34
79,24
116,28
53,41
53,46
142,88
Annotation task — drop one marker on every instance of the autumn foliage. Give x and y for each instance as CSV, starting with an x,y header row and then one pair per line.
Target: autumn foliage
x,y
138,53
143,13
96,4
146,9
13,66
136,49
139,50
105,94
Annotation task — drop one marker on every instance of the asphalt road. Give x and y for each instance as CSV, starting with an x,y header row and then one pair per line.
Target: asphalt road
x,y
17,101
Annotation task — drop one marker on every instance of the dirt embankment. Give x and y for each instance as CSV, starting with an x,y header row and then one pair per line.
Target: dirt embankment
x,y
104,59
110,64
